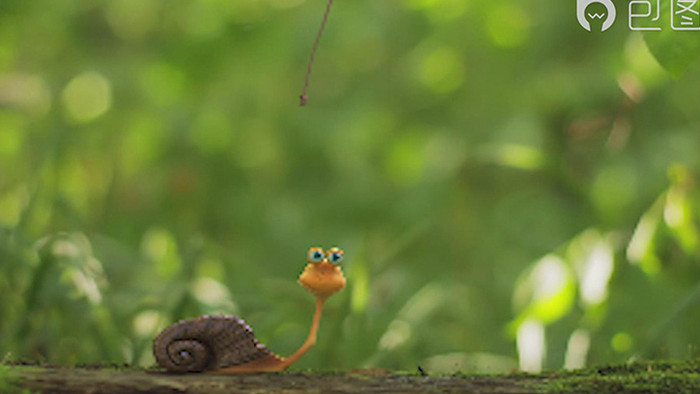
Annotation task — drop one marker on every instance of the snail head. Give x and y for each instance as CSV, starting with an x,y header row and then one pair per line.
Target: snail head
x,y
323,276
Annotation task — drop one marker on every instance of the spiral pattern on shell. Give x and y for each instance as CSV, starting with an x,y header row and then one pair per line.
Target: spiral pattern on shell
x,y
207,343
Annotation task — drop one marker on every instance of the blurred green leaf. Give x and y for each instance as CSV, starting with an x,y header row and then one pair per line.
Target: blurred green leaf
x,y
675,50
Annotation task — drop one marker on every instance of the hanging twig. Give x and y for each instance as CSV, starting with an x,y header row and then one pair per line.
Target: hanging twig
x,y
303,99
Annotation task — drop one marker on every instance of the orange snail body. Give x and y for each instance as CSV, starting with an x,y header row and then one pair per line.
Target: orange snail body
x,y
226,344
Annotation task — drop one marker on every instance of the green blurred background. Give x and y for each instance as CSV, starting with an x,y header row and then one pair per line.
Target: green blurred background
x,y
510,190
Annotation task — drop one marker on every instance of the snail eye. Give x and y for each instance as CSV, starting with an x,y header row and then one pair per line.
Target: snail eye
x,y
335,256
315,255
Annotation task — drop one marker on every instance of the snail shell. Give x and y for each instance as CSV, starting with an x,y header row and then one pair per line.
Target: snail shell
x,y
207,343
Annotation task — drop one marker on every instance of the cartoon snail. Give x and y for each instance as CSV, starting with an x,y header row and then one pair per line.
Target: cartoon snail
x,y
226,344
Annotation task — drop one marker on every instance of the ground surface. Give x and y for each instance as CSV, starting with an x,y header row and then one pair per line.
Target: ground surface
x,y
640,377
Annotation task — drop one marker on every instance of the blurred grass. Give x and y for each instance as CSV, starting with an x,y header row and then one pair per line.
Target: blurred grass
x,y
480,175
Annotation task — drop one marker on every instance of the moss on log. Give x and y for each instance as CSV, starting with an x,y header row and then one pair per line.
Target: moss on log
x,y
639,377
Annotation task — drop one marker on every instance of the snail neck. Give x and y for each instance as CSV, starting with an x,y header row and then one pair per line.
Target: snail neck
x,y
311,339
272,363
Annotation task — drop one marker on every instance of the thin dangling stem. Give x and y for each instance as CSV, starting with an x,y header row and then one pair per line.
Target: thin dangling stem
x,y
304,98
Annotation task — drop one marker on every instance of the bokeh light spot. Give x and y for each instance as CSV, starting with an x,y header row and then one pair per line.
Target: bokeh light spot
x,y
87,97
439,11
520,156
146,323
508,25
27,92
211,132
163,83
595,269
405,163
213,295
11,134
622,342
132,19
159,246
441,70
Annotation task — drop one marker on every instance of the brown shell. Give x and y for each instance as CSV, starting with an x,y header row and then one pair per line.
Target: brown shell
x,y
207,343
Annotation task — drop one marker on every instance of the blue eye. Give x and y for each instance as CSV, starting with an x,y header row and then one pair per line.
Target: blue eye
x,y
315,255
335,256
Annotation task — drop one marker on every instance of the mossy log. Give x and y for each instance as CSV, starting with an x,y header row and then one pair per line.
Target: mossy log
x,y
639,377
